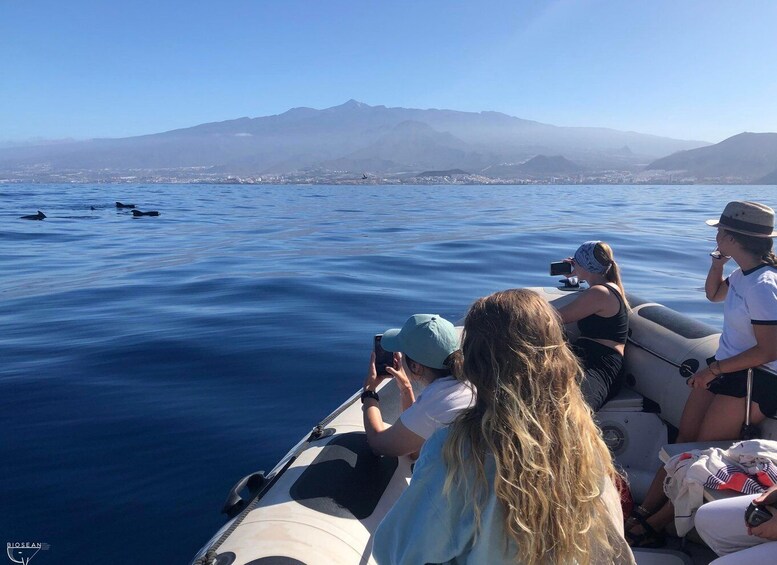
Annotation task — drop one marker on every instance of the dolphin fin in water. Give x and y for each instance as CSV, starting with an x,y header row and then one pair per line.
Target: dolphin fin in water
x,y
39,216
138,213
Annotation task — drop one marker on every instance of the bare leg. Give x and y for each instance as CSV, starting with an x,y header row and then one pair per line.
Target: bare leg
x,y
706,417
693,414
696,408
649,531
725,417
655,497
662,518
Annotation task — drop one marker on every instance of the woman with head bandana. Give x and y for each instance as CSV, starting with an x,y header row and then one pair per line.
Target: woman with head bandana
x,y
601,313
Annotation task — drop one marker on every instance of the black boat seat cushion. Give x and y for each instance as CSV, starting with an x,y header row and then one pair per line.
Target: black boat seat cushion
x,y
346,479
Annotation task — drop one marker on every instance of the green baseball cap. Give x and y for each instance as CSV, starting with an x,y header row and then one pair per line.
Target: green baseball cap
x,y
426,338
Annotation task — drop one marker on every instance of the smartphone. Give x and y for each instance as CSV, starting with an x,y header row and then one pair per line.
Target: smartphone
x,y
560,268
383,358
757,514
716,255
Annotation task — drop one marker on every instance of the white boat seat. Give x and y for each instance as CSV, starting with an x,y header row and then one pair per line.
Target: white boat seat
x,y
670,450
661,557
627,400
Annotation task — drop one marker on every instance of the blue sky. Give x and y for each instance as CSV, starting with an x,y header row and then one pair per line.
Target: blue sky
x,y
686,69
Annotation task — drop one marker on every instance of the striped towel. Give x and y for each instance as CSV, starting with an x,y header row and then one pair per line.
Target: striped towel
x,y
749,467
740,479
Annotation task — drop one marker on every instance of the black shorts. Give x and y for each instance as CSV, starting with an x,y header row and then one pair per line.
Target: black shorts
x,y
603,368
735,384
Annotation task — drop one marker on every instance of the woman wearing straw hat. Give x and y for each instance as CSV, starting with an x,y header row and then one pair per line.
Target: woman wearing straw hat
x,y
715,409
749,339
602,316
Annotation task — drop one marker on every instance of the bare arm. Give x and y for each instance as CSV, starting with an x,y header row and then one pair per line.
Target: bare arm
x,y
591,301
715,286
394,440
764,351
767,530
388,440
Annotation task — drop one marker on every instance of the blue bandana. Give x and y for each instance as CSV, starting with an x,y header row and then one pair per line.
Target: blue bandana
x,y
584,256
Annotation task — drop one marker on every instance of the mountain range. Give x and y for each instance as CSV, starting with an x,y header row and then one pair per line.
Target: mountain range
x,y
355,137
749,156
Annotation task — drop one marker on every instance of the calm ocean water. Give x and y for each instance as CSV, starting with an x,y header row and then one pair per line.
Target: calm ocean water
x,y
147,364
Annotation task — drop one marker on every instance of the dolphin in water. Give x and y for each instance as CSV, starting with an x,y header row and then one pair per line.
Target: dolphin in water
x,y
39,216
138,213
120,205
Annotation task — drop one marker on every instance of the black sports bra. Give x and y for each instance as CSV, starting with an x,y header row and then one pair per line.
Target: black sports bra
x,y
615,328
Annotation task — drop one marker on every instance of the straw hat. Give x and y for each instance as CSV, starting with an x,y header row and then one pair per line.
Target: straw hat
x,y
749,218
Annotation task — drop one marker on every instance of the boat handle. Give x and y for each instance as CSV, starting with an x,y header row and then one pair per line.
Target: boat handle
x,y
688,368
235,502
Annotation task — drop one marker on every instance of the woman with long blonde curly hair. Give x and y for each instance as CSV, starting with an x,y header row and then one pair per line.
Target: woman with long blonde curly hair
x,y
523,476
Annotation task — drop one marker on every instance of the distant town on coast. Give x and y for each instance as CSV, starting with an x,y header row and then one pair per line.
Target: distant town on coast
x,y
355,143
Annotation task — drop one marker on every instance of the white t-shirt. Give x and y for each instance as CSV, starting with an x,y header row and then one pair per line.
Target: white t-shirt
x,y
751,300
437,406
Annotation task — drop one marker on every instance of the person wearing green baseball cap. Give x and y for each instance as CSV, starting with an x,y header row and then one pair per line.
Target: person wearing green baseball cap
x,y
426,350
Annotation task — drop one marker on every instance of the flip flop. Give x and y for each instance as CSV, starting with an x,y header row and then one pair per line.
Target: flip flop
x,y
635,515
649,538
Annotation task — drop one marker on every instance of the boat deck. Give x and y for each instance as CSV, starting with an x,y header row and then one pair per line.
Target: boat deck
x,y
306,511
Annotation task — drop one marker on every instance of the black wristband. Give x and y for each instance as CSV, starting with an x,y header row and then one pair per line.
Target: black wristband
x,y
370,394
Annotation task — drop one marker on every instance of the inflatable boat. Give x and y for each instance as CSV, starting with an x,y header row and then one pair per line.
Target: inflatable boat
x,y
323,501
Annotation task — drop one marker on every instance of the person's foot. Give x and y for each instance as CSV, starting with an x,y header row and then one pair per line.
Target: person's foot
x,y
637,513
642,534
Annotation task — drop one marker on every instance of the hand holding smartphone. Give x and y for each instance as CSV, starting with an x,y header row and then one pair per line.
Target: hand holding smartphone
x,y
757,514
383,358
718,256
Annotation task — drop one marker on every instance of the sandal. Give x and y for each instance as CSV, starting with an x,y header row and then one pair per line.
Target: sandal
x,y
635,515
649,538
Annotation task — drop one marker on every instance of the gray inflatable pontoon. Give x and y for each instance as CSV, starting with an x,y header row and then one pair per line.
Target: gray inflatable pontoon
x,y
323,501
